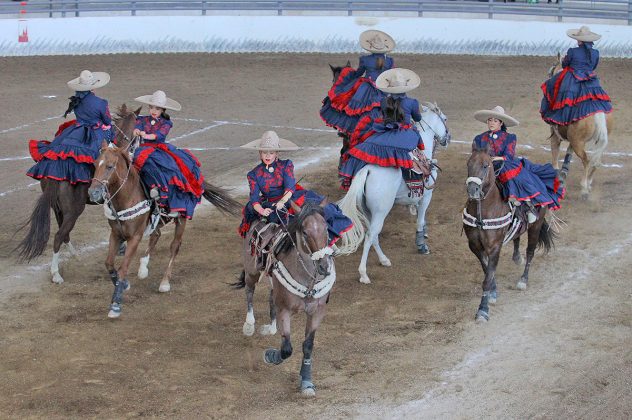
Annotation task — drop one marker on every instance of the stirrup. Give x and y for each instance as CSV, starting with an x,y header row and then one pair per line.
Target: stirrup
x,y
154,194
174,214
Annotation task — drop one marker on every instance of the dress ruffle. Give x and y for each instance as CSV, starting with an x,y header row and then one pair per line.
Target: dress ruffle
x,y
523,180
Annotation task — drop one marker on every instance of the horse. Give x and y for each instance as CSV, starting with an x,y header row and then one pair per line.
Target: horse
x,y
375,189
68,203
346,137
302,272
488,222
591,131
117,183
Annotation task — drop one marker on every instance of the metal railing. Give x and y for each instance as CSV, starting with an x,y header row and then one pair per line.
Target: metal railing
x,y
620,10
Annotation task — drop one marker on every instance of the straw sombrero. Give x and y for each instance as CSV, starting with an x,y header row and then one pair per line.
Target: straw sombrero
x,y
88,80
376,41
270,142
159,98
397,81
583,34
496,112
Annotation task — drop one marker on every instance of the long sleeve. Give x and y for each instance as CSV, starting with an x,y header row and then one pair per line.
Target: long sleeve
x,y
361,67
255,192
414,112
509,151
567,58
289,182
106,117
139,123
163,131
596,62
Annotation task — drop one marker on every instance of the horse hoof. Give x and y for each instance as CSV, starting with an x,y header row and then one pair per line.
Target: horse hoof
x,y
272,357
386,262
57,278
493,297
519,260
585,196
164,288
481,317
268,329
423,249
364,279
521,285
308,389
248,329
115,310
71,249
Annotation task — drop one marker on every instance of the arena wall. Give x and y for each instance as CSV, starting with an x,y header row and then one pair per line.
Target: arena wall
x,y
293,34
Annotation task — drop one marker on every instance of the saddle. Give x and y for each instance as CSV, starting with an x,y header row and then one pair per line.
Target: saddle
x,y
418,174
263,237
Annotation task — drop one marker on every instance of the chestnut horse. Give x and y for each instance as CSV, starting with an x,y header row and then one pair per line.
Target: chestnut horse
x,y
487,218
591,131
302,272
117,182
68,203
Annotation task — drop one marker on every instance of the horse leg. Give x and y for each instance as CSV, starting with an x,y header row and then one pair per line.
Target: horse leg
x,y
482,315
533,235
375,228
70,207
422,231
251,283
143,268
581,153
555,150
312,323
119,278
517,258
181,223
274,356
271,328
364,278
482,258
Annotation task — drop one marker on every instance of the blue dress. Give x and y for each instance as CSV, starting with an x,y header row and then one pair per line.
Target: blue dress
x,y
70,156
266,188
521,179
575,92
352,95
175,172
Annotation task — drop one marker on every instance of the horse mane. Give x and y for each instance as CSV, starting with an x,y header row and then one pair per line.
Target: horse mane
x,y
294,227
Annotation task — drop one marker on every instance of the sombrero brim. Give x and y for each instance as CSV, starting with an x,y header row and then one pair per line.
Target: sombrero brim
x,y
589,37
367,35
170,103
382,81
484,114
101,79
284,146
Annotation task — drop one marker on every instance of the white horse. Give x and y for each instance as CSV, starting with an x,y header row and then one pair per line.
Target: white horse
x,y
375,189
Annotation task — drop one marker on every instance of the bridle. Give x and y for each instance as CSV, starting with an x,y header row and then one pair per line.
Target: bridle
x,y
438,139
480,223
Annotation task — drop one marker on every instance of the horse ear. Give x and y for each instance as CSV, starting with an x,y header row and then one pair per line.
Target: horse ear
x,y
332,68
348,63
295,207
559,56
137,112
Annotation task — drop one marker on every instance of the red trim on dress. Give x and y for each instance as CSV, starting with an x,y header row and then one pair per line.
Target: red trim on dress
x,y
34,149
390,161
64,126
510,174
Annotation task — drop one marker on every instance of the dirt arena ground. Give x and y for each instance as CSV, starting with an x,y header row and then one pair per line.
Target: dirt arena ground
x,y
405,346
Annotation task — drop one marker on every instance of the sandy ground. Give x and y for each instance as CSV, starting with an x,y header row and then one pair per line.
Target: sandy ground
x,y
405,346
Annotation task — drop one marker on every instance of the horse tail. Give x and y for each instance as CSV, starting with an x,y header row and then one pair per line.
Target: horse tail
x,y
219,198
600,137
352,205
546,237
241,282
34,244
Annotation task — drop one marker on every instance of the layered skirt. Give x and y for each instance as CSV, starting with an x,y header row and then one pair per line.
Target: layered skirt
x,y
568,98
523,180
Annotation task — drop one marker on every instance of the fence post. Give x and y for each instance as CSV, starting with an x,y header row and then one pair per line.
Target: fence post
x,y
350,9
133,8
76,8
629,12
63,9
50,8
560,10
420,12
204,8
490,14
280,8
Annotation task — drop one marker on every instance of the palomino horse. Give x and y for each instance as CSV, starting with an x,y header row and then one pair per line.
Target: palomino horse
x,y
301,269
591,131
487,219
118,183
375,189
68,203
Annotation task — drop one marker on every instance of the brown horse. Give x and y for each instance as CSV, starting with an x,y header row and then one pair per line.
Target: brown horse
x,y
344,136
591,131
302,271
487,218
118,184
68,203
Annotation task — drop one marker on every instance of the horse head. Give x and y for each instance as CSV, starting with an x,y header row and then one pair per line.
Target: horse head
x,y
337,70
123,123
309,229
437,121
557,67
480,174
112,169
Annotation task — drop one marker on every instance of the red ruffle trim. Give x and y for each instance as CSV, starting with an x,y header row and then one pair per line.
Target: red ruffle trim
x,y
79,181
551,120
510,174
389,161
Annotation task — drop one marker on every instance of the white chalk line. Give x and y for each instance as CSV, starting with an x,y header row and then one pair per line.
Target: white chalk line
x,y
19,127
5,193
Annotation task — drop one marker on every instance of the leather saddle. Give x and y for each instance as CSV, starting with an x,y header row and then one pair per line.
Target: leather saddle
x,y
262,238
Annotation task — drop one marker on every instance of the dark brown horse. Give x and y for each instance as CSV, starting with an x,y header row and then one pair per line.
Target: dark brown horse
x,y
68,203
487,218
302,271
118,184
344,136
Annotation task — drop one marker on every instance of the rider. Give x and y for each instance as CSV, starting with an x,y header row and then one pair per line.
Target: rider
x,y
70,156
575,93
272,185
387,141
353,95
522,181
172,174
